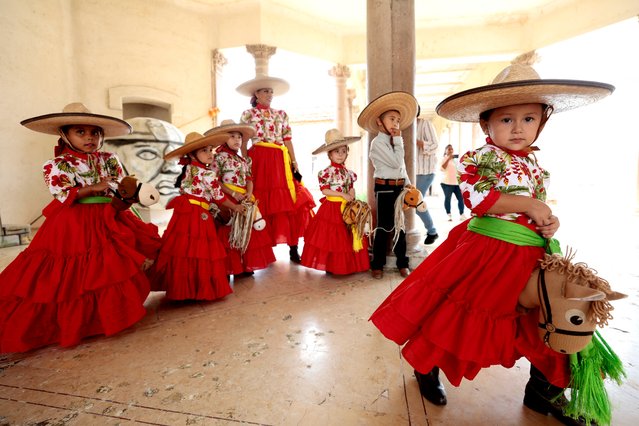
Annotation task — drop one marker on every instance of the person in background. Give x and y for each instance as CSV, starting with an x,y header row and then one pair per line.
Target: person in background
x,y
387,116
426,159
286,205
449,183
234,173
329,245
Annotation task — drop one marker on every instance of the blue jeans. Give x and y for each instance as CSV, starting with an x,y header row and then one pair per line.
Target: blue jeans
x,y
449,190
423,183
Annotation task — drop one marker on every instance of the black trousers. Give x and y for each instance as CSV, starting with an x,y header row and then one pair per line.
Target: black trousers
x,y
385,196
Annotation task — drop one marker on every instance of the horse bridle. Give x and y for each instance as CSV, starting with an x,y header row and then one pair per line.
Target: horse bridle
x,y
548,325
132,199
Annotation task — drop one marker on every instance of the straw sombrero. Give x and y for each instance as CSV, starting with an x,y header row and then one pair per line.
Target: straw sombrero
x,y
228,126
520,84
334,139
195,141
76,114
403,102
263,81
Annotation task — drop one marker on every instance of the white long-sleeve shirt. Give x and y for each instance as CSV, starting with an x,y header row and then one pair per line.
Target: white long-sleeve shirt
x,y
388,161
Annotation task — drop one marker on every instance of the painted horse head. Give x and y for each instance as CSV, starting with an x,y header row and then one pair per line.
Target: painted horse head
x,y
572,302
413,198
129,190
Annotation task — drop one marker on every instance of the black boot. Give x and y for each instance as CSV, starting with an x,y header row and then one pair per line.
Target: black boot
x,y
294,255
430,387
545,398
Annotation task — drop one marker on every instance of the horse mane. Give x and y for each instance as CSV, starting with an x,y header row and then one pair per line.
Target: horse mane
x,y
580,274
361,216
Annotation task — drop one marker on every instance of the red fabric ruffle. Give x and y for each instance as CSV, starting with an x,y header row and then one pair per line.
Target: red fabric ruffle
x,y
285,221
80,276
191,263
258,255
328,243
457,310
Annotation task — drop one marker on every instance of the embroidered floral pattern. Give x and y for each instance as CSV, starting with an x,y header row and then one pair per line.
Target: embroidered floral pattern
x,y
201,182
76,170
491,168
271,125
336,178
231,167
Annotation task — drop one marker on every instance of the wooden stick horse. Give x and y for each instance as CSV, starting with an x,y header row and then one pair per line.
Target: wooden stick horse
x,y
572,302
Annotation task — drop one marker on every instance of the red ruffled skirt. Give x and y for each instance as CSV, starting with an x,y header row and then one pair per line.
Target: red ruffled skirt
x,y
258,255
79,277
286,221
192,261
457,310
328,243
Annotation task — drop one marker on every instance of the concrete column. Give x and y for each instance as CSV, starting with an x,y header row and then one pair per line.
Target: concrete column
x,y
390,56
217,62
341,74
261,53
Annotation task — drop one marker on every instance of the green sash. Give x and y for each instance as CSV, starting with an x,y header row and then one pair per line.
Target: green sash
x,y
512,232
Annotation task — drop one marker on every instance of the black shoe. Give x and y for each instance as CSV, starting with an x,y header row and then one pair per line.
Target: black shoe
x,y
545,398
294,255
430,239
430,387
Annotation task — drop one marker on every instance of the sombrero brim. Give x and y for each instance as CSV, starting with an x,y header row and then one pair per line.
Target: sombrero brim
x,y
403,102
248,88
562,95
210,140
51,123
336,144
246,130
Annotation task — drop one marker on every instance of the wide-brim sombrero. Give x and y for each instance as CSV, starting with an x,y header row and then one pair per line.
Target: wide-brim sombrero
x,y
76,114
402,102
520,84
333,139
194,141
228,126
263,81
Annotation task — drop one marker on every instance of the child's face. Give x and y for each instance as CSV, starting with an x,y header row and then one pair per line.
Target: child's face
x,y
235,141
339,155
264,96
514,127
389,121
85,138
204,155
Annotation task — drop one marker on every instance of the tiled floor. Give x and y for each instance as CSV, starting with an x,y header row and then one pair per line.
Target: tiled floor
x,y
291,346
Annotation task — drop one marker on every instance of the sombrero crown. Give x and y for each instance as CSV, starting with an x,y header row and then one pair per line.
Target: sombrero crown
x,y
263,81
76,114
194,141
520,84
402,102
228,126
333,139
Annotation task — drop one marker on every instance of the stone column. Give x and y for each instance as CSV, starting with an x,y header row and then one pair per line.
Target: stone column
x,y
390,33
217,62
341,74
261,53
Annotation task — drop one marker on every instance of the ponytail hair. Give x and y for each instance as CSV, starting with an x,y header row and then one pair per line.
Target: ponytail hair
x,y
185,161
253,101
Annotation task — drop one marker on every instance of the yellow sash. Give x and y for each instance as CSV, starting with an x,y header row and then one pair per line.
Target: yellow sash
x,y
205,206
287,166
357,240
239,189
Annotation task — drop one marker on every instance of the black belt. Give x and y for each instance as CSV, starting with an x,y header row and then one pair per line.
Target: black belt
x,y
392,182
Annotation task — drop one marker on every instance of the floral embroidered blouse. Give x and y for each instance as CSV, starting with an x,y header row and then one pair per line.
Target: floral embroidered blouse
x,y
336,177
271,125
489,171
202,182
72,170
231,168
